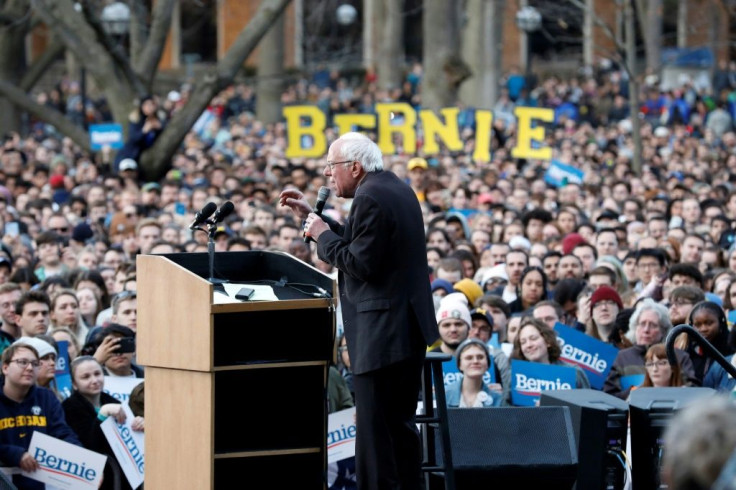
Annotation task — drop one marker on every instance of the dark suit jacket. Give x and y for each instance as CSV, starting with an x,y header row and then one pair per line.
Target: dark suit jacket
x,y
387,307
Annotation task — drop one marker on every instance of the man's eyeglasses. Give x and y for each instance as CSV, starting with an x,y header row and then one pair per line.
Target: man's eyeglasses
x,y
680,302
331,165
23,363
62,229
660,364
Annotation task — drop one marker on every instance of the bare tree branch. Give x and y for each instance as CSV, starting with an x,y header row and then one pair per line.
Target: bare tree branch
x,y
45,113
149,58
53,52
138,29
157,159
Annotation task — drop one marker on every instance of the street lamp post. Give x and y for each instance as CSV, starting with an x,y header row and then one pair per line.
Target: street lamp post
x,y
528,20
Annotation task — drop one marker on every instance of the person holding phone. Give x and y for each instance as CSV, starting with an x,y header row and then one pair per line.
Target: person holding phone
x,y
114,349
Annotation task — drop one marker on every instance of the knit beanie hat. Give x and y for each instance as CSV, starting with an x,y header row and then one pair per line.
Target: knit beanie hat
x,y
453,309
606,293
469,288
571,241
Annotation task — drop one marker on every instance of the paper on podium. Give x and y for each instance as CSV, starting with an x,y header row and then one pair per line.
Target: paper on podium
x,y
260,293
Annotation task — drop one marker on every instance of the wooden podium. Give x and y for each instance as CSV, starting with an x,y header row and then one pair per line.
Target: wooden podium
x,y
235,393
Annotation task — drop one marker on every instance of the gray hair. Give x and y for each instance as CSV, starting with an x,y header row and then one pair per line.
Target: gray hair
x,y
665,324
698,442
358,147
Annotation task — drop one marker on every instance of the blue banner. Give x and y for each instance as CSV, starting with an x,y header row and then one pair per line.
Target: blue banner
x,y
631,380
102,135
559,174
529,379
450,373
594,356
62,375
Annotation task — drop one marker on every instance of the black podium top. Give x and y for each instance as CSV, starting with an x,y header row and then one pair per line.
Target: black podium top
x,y
289,277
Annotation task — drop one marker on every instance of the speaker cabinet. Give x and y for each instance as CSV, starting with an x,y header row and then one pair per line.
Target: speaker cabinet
x,y
600,422
650,410
514,447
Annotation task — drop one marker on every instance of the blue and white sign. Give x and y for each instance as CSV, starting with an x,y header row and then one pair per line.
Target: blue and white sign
x,y
127,445
120,388
594,356
106,135
529,379
62,376
631,380
341,435
451,373
63,465
558,174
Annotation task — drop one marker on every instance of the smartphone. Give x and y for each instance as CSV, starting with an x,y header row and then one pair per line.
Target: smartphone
x,y
244,294
180,209
12,228
126,345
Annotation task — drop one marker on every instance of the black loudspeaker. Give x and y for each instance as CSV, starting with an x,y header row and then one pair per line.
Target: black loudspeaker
x,y
512,447
650,410
600,422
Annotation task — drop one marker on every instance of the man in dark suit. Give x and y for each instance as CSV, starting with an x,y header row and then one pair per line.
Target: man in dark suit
x,y
386,301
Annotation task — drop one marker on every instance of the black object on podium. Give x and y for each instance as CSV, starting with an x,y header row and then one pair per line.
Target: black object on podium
x,y
600,422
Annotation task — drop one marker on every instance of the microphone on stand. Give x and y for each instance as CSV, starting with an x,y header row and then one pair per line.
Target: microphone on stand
x,y
322,196
202,215
223,212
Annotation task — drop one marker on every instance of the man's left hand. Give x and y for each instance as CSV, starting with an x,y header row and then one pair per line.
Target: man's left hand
x,y
314,226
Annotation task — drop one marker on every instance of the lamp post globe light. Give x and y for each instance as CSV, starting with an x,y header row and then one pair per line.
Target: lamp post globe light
x,y
346,14
529,20
115,18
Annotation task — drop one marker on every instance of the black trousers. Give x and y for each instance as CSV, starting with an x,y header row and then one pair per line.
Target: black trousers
x,y
388,451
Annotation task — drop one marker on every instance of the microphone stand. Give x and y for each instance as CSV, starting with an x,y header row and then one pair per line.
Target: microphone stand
x,y
211,229
700,340
211,251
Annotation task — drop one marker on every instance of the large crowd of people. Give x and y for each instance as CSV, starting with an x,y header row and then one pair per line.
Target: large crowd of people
x,y
621,256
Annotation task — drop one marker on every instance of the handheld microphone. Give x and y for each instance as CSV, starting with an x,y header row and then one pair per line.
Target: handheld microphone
x,y
202,215
322,196
223,212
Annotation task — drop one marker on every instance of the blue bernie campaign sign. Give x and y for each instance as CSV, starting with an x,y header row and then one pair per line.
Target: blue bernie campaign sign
x,y
62,375
451,373
631,380
559,174
594,356
102,135
529,379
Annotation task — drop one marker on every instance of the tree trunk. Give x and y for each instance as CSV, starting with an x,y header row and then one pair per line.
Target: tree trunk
x,y
156,160
633,86
588,15
369,34
391,58
147,62
653,39
270,74
12,59
81,39
444,69
481,49
682,24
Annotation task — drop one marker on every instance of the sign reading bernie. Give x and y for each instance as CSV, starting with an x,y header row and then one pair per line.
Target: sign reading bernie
x,y
306,126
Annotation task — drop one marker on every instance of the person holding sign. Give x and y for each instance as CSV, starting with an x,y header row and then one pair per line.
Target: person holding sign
x,y
473,360
88,407
536,342
25,409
